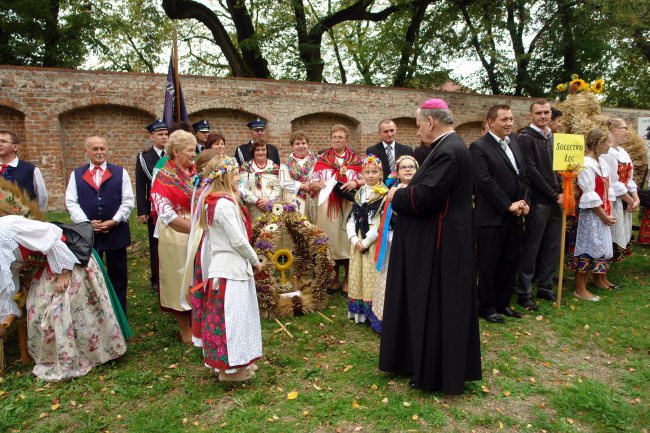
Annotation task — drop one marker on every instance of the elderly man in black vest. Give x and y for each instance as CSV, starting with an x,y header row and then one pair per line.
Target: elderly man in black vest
x,y
22,173
101,193
144,165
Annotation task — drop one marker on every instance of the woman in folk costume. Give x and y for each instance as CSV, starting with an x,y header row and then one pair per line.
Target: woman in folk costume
x,y
362,229
341,164
259,183
171,194
590,242
226,321
74,319
406,166
622,176
295,174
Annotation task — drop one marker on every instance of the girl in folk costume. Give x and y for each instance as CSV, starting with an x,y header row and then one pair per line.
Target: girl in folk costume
x,y
590,241
226,322
362,229
259,183
627,200
406,166
295,174
343,165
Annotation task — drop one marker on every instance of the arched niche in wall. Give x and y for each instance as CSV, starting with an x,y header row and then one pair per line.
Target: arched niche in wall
x,y
14,121
231,124
317,127
123,127
470,131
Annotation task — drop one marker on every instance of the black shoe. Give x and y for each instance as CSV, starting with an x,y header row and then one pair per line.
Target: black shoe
x,y
528,304
549,296
154,288
493,318
511,313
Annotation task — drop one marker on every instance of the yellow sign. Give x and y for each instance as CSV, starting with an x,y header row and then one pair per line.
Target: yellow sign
x,y
568,150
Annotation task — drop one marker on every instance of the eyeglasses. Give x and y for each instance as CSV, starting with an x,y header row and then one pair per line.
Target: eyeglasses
x,y
6,142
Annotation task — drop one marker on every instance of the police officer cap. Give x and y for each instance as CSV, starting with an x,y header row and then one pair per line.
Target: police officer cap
x,y
256,124
157,125
201,126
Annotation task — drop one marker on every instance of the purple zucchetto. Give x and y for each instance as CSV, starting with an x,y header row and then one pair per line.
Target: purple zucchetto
x,y
434,104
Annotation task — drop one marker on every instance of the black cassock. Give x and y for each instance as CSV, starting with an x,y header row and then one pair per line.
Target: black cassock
x,y
430,328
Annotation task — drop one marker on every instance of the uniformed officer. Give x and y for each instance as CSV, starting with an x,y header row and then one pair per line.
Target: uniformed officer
x,y
243,152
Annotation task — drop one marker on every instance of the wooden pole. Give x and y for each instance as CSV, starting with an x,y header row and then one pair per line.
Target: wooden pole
x,y
177,92
561,273
283,328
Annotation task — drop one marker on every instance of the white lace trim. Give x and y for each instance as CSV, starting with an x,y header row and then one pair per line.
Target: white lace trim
x,y
60,257
8,289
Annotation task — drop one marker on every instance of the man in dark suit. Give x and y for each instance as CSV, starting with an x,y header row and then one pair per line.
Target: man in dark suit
x,y
502,199
388,150
144,165
243,152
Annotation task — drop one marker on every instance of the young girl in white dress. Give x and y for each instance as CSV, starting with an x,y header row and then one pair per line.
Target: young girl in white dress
x,y
590,244
225,319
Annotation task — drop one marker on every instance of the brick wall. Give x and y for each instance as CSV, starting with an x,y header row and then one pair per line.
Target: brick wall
x,y
53,111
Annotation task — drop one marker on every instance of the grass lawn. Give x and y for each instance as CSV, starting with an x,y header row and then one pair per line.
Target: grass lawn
x,y
584,369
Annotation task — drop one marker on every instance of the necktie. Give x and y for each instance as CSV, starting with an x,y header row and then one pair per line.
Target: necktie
x,y
3,169
511,156
97,175
391,158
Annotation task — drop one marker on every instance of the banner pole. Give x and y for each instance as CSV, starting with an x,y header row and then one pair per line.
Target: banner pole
x,y
177,92
561,272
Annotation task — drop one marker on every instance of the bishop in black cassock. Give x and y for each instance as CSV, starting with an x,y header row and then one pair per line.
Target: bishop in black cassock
x,y
430,327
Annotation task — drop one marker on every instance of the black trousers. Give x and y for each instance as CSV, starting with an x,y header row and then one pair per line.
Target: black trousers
x,y
153,253
116,267
498,259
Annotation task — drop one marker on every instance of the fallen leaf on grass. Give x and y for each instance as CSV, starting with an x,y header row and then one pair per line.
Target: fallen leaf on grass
x,y
532,380
195,423
355,404
173,366
495,372
506,393
292,395
500,425
569,420
305,412
55,407
348,368
538,318
586,327
385,400
358,428
42,415
185,420
374,387
485,389
406,403
316,387
414,417
119,417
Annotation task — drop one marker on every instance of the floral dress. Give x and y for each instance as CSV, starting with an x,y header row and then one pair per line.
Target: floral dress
x,y
71,332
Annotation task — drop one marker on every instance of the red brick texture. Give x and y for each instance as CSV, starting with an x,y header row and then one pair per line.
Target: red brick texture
x,y
53,111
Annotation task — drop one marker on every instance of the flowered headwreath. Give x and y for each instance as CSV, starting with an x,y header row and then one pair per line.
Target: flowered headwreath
x,y
371,159
227,165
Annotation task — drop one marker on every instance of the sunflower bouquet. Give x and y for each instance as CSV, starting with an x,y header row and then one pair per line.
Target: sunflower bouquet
x,y
578,85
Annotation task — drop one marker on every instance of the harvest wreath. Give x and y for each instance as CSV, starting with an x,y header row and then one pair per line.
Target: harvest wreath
x,y
310,263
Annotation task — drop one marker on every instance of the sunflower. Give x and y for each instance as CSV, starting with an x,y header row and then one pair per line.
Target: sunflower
x,y
578,85
598,86
561,87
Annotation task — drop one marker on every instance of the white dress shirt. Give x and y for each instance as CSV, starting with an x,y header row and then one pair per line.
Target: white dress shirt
x,y
507,150
72,199
39,185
